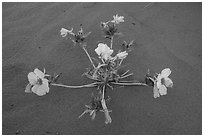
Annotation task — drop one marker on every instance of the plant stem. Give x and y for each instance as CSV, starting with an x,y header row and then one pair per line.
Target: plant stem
x,y
125,81
120,62
89,56
97,68
105,109
151,79
112,42
125,73
126,76
130,84
103,92
81,86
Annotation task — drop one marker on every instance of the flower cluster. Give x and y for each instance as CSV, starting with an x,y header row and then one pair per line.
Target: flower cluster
x,y
109,28
104,70
79,37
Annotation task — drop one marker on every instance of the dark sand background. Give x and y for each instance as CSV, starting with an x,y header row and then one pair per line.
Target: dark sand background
x,y
167,35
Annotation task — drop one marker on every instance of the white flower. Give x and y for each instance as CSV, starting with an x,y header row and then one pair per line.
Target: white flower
x,y
117,19
64,32
37,83
162,82
104,51
104,24
122,55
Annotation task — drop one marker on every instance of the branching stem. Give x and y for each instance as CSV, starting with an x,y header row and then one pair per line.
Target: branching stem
x,y
125,72
120,62
111,42
89,57
105,109
125,76
129,84
81,86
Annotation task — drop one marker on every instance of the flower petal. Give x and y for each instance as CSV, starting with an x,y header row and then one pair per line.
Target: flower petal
x,y
122,55
117,19
121,19
99,49
104,51
32,78
63,32
110,51
45,81
165,72
39,73
158,79
40,90
34,89
28,88
162,90
106,55
156,91
168,82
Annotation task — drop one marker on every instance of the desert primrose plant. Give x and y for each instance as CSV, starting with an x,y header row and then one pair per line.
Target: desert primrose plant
x,y
104,71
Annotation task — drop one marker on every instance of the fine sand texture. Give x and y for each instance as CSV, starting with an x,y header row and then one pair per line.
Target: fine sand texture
x,y
166,35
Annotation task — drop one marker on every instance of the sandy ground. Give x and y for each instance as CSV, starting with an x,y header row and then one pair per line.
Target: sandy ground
x,y
167,35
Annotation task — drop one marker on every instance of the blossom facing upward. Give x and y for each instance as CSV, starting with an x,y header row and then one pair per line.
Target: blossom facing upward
x,y
162,82
104,51
117,19
64,32
37,83
104,24
122,55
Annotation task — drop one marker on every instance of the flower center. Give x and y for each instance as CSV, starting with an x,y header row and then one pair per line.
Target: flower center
x,y
39,81
162,81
